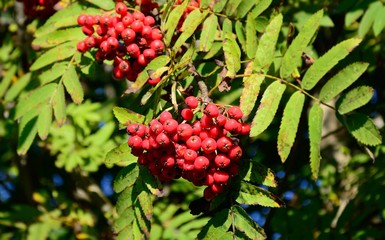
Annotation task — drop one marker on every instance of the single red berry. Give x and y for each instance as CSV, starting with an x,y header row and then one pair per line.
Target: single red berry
x,y
184,131
82,19
204,134
233,126
209,145
212,110
156,128
111,32
142,60
190,155
162,139
117,73
235,153
121,8
164,116
89,21
82,47
128,35
192,102
209,179
133,50
206,121
113,43
149,54
90,42
137,26
201,163
156,34
135,142
221,177
222,160
157,46
119,27
147,32
124,66
194,142
168,161
146,144
101,31
235,112
187,114
88,30
153,81
138,16
224,144
105,21
170,126
128,19
217,188
245,129
196,127
221,120
149,21
216,132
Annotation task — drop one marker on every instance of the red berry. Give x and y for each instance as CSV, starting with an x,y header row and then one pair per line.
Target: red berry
x,y
235,112
221,120
162,139
117,73
209,145
128,35
187,114
147,32
82,19
212,110
149,54
233,126
222,161
221,177
235,153
157,46
194,143
170,126
164,116
121,8
154,81
184,131
138,16
156,34
82,47
149,21
192,102
105,21
119,27
224,144
196,127
124,66
135,142
127,19
133,50
88,30
137,26
142,60
245,129
201,163
190,155
206,121
90,42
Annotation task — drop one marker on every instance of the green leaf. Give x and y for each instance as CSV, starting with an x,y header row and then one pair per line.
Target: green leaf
x,y
250,91
244,7
27,131
227,28
59,105
315,136
156,63
354,99
58,37
172,22
56,71
34,99
124,200
44,121
17,87
253,195
352,16
232,55
379,22
327,61
240,32
292,57
368,18
126,177
289,124
245,224
363,129
251,36
145,201
261,6
232,7
120,155
55,54
193,20
124,220
208,33
126,116
104,4
72,84
7,79
219,5
256,173
342,80
217,226
266,48
267,108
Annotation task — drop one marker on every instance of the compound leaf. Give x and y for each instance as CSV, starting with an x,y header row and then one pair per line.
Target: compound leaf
x,y
315,135
322,65
342,80
253,195
267,108
289,124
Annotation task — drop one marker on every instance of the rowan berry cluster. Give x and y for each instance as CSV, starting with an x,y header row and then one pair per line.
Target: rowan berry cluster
x,y
203,148
130,39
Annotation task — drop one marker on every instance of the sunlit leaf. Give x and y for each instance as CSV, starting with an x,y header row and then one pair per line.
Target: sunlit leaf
x,y
58,37
59,104
55,54
124,200
363,129
327,61
292,57
231,7
217,227
219,5
232,56
44,121
267,108
17,87
266,47
368,18
379,22
354,99
253,195
342,80
250,91
244,7
124,220
72,84
240,32
104,4
126,116
251,36
120,155
7,79
315,135
256,173
260,6
289,124
208,33
35,98
172,22
56,71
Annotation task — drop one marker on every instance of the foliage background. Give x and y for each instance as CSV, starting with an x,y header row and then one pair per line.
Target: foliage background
x,y
61,189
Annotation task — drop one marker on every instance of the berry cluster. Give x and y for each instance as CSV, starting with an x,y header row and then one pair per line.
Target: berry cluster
x,y
203,150
130,39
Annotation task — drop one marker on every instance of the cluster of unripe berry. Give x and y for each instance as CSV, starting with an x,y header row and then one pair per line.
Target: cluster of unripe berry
x,y
130,39
203,148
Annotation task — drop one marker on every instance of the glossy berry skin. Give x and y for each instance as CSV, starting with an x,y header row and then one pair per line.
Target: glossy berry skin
x,y
170,126
164,116
209,145
194,143
201,163
191,102
222,161
235,112
157,46
187,114
212,110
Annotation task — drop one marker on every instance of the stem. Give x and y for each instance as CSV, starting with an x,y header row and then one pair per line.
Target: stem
x,y
204,91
